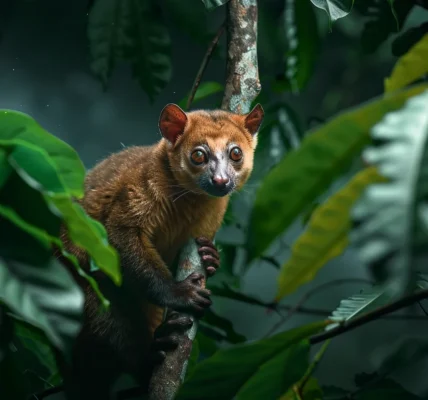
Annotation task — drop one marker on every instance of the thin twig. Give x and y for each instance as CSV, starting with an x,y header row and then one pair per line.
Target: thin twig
x,y
370,316
423,308
309,294
204,64
271,260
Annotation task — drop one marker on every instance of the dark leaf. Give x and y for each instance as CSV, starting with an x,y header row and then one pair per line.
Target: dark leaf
x,y
207,346
33,293
204,90
307,172
382,20
402,44
148,45
301,32
20,129
11,383
231,336
229,371
229,293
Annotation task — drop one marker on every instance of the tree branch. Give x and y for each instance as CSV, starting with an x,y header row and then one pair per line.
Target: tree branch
x,y
242,87
242,76
204,64
370,316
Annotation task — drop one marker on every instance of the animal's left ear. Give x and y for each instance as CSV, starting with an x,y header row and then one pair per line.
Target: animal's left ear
x,y
172,122
254,119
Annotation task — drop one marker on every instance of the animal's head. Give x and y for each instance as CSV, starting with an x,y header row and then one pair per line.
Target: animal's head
x,y
210,150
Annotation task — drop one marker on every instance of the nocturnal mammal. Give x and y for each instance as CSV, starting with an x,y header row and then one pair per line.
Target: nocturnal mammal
x,y
152,200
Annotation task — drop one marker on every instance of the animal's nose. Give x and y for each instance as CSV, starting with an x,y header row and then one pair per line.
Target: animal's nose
x,y
219,181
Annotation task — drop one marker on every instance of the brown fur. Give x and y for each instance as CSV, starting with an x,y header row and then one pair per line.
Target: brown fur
x,y
151,205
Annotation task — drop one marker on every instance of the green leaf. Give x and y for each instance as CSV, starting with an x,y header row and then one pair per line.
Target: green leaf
x,y
311,391
301,31
207,346
402,44
105,31
325,237
33,293
225,373
204,90
17,235
12,385
36,342
211,4
361,303
382,20
410,67
149,45
134,31
392,229
335,9
223,324
283,370
16,127
37,170
324,155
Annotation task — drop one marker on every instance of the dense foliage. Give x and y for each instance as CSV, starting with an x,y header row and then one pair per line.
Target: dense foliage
x,y
381,211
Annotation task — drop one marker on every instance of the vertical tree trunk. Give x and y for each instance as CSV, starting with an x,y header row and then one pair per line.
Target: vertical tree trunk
x,y
241,89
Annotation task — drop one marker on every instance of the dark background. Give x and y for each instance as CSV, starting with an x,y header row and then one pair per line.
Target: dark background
x,y
44,71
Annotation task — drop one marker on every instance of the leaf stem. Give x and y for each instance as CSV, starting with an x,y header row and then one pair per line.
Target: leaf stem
x,y
204,64
370,316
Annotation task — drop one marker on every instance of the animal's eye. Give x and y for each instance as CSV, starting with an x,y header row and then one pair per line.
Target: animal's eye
x,y
236,154
198,157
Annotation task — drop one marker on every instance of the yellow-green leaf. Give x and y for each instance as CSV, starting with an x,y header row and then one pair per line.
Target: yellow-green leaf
x,y
326,235
410,67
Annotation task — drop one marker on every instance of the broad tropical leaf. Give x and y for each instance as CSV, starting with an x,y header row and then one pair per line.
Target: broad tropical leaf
x,y
302,40
28,292
335,9
35,168
233,372
325,237
131,30
211,4
304,174
17,127
410,67
224,325
392,217
361,303
105,31
404,42
382,20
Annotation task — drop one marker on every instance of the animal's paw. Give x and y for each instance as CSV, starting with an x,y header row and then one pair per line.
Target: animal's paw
x,y
209,255
167,335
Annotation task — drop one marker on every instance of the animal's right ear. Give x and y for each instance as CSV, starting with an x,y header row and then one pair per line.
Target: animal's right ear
x,y
172,122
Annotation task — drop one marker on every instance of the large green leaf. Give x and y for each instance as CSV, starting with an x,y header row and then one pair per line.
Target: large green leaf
x,y
335,9
325,237
392,217
410,67
149,48
302,39
105,31
11,386
133,30
402,44
45,296
16,126
382,20
303,175
36,169
229,372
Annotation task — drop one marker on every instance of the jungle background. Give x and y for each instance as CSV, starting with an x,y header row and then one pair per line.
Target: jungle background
x,y
45,71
